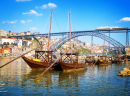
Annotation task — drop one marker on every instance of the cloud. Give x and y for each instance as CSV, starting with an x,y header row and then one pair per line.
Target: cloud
x,y
107,27
10,22
27,21
52,5
33,28
49,5
22,0
125,19
32,12
22,21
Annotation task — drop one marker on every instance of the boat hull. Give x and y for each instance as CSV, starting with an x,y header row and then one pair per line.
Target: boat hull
x,y
35,64
89,62
99,62
69,66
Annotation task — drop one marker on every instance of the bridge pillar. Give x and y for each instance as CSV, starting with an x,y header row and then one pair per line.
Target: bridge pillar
x,y
127,38
109,43
104,45
91,43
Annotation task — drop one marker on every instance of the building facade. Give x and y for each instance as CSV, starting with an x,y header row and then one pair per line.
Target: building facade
x,y
3,33
10,40
18,43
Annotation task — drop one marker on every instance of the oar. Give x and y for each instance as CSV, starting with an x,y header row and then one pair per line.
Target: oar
x,y
18,57
52,64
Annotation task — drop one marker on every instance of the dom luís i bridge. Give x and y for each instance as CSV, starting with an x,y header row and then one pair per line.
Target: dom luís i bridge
x,y
100,33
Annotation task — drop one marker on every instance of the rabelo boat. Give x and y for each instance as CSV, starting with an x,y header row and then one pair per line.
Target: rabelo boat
x,y
70,60
45,55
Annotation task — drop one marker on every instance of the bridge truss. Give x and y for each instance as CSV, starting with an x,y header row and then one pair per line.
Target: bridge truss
x,y
98,34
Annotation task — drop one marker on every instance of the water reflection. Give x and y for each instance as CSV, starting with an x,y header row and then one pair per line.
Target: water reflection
x,y
18,79
70,78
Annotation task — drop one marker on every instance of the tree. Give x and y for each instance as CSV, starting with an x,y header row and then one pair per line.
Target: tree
x,y
14,44
9,32
4,43
11,43
7,43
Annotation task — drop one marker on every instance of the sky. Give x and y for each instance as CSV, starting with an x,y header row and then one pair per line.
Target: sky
x,y
34,15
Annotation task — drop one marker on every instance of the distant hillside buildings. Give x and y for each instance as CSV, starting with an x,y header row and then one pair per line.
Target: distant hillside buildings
x,y
20,42
3,33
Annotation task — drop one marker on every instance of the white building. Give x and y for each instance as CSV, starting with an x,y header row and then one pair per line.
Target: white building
x,y
26,43
65,46
3,33
87,44
27,33
29,42
19,43
10,40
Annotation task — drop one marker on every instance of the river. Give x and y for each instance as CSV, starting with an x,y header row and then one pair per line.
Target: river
x,y
18,79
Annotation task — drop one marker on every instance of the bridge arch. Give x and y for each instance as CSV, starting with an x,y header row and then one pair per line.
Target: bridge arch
x,y
38,42
63,40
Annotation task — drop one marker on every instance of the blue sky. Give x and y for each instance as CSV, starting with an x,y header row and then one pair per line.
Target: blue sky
x,y
34,15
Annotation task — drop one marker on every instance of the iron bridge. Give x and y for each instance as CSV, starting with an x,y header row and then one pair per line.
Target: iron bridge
x,y
96,33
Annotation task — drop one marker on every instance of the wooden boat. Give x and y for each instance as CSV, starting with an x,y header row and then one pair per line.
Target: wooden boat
x,y
102,62
89,61
70,65
46,56
35,64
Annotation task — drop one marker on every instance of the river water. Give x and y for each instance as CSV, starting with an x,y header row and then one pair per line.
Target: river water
x,y
18,79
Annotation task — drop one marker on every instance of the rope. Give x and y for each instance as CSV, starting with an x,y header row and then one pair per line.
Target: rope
x,y
56,22
46,23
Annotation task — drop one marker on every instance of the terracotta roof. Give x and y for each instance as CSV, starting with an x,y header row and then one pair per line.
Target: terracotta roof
x,y
11,47
14,33
8,38
6,48
27,41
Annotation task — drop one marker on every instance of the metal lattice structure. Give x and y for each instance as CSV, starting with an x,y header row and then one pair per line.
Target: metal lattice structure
x,y
127,39
75,32
38,41
98,34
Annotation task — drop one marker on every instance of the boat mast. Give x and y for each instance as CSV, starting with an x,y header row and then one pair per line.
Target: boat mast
x,y
70,35
49,30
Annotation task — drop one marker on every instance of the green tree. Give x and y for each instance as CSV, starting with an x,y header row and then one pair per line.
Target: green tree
x,y
11,43
9,32
7,43
4,43
14,44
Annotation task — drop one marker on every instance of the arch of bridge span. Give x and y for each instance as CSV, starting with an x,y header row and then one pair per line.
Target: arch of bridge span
x,y
38,42
110,40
